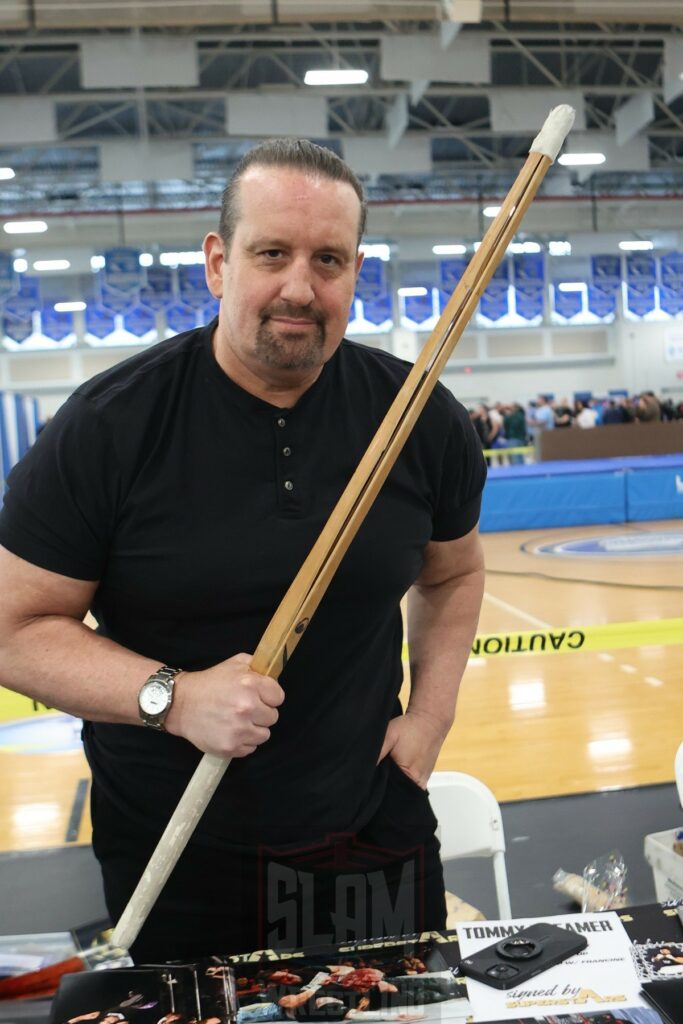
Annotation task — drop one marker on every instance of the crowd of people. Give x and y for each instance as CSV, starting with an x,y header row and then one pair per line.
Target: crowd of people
x,y
511,425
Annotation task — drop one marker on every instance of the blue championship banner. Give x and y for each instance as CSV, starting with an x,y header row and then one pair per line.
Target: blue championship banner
x,y
494,303
180,317
641,277
373,292
8,279
140,321
529,282
671,286
26,300
157,293
192,287
450,272
418,309
99,321
606,272
55,325
566,304
122,272
602,302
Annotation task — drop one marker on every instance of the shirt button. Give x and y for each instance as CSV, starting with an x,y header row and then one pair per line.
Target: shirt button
x,y
287,451
281,421
289,486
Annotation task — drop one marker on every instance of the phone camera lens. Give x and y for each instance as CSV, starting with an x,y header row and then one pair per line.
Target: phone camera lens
x,y
502,971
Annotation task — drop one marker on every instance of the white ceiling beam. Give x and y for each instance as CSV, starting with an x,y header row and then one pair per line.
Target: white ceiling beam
x,y
135,61
372,156
262,113
27,119
515,110
146,161
463,10
410,58
673,69
397,120
635,114
448,30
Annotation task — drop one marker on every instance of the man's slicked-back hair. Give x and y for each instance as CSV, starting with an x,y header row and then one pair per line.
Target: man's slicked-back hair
x,y
296,154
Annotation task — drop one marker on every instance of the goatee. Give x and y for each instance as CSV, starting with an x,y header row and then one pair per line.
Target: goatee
x,y
291,350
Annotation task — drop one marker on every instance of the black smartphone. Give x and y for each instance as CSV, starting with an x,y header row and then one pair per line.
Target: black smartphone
x,y
523,955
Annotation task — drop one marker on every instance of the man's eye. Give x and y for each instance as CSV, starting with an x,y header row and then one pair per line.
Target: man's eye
x,y
328,259
272,254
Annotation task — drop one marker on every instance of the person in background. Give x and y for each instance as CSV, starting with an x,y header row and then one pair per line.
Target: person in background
x,y
585,416
514,422
541,417
614,413
564,414
647,408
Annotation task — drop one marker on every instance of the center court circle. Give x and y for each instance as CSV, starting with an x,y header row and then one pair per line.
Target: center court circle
x,y
619,546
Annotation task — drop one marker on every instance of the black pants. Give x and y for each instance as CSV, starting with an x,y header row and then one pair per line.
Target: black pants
x,y
387,879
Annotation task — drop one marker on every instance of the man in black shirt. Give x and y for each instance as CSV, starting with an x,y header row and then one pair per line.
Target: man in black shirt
x,y
176,496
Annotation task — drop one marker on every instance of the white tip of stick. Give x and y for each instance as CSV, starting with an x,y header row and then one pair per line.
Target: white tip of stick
x,y
555,130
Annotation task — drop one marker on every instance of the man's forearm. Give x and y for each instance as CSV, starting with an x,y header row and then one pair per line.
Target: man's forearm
x,y
442,623
64,664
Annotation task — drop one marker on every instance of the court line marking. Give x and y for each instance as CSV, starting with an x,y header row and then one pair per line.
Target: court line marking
x,y
517,611
77,807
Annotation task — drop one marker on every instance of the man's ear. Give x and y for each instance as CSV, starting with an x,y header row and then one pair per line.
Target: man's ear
x,y
214,252
359,261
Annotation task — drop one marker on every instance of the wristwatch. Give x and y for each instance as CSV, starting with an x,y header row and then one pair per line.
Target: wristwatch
x,y
156,696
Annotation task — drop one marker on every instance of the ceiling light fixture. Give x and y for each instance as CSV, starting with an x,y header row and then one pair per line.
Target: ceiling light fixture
x,y
336,76
571,286
560,248
581,159
378,250
491,211
69,307
185,259
406,292
518,248
41,265
6,173
24,227
449,250
636,246
20,265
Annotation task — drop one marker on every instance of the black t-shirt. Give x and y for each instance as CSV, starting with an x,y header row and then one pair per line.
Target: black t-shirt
x,y
194,504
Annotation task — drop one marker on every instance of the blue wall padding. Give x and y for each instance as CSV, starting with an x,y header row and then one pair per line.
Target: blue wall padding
x,y
566,500
582,492
654,494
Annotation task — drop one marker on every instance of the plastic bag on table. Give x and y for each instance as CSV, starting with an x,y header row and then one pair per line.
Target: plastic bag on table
x,y
601,887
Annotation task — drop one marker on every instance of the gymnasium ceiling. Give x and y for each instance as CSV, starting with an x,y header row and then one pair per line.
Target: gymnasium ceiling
x,y
446,116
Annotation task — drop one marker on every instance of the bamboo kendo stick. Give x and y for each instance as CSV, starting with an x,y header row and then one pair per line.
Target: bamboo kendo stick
x,y
305,593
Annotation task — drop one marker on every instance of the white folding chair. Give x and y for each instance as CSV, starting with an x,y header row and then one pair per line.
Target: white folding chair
x,y
470,825
678,772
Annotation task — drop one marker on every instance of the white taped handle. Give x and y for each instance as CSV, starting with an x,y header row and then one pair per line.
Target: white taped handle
x,y
191,806
555,129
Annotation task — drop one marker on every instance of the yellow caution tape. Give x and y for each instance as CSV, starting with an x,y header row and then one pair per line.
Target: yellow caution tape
x,y
567,639
14,706
526,450
561,640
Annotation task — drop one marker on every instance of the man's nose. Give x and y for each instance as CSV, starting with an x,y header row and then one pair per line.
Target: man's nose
x,y
297,286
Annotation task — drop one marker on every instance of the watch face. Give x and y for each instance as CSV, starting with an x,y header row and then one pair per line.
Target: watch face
x,y
154,698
